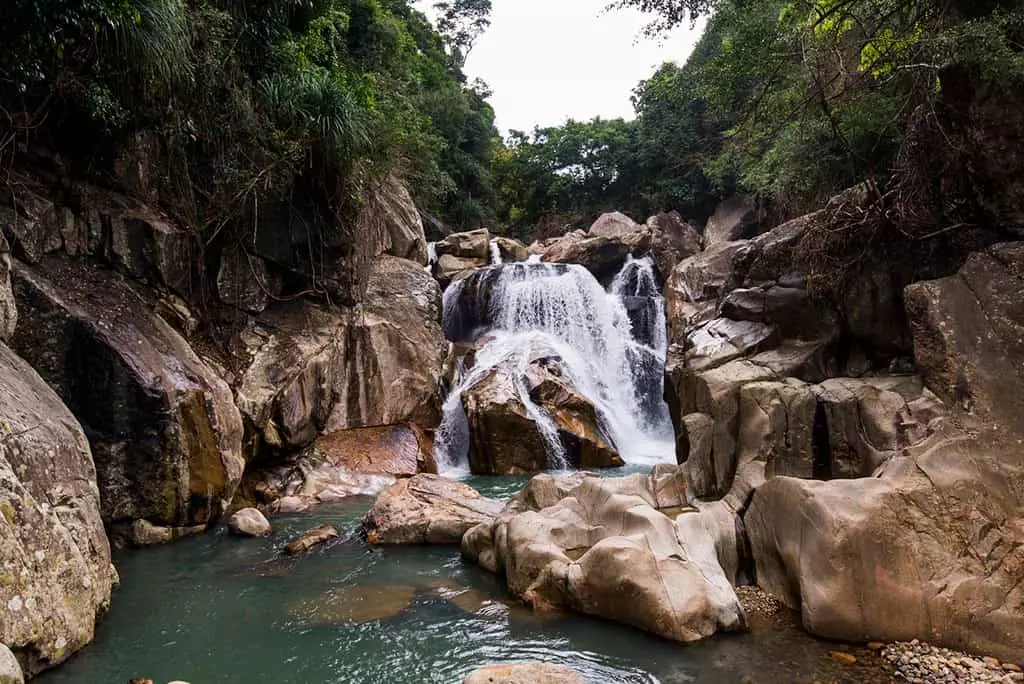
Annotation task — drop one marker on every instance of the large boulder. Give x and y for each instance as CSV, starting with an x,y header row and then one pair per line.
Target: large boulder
x,y
394,211
602,256
607,550
524,673
931,549
401,450
244,282
969,335
164,429
427,509
613,225
695,285
55,569
510,249
10,668
734,219
8,307
672,240
474,246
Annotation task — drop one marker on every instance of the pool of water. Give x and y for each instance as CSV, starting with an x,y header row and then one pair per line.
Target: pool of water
x,y
215,608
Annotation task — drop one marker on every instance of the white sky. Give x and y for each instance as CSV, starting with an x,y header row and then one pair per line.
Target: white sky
x,y
549,60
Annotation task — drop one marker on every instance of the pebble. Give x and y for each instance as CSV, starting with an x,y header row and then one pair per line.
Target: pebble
x,y
921,663
844,658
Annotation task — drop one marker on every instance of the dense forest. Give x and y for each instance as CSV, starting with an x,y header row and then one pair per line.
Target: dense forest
x,y
312,101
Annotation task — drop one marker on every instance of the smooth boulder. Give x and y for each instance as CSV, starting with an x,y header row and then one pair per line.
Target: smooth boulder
x,y
55,569
249,522
524,673
311,539
427,509
613,225
10,669
401,450
165,433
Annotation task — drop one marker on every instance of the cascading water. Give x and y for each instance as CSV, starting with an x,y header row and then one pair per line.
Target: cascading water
x,y
610,347
495,253
431,255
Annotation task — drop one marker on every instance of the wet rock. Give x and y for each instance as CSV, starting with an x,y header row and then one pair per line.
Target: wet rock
x,y
243,281
55,569
145,533
524,673
503,437
734,219
672,240
311,539
140,680
969,335
602,256
613,225
8,307
450,268
305,482
249,522
10,670
402,450
355,605
605,539
511,250
694,286
427,509
165,433
930,548
474,246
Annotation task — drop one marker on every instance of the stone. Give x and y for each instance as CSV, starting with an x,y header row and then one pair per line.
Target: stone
x,y
145,533
843,658
355,605
392,212
450,268
734,219
401,450
244,282
672,240
10,669
503,437
8,307
694,286
721,340
613,225
930,548
32,226
776,427
602,256
968,332
474,245
606,539
165,433
311,539
524,673
249,522
427,509
510,249
140,680
55,569
789,309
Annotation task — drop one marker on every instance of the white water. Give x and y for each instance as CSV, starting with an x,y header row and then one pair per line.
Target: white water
x,y
554,310
431,255
495,253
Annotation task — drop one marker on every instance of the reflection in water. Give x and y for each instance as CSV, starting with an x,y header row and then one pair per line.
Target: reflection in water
x,y
219,609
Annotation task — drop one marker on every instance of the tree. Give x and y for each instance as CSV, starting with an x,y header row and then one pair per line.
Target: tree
x,y
461,23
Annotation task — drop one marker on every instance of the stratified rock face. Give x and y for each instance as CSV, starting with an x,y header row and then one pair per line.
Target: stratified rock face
x,y
524,673
613,225
388,450
427,509
164,430
8,307
55,570
734,219
969,335
694,286
394,353
933,549
607,550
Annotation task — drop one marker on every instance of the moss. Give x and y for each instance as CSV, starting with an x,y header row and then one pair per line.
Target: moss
x,y
8,512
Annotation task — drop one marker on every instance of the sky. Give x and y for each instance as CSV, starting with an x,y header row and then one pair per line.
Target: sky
x,y
550,60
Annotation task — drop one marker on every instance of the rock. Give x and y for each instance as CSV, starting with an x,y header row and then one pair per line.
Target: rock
x,y
613,225
931,548
672,240
969,335
734,219
694,286
55,569
403,450
165,433
474,245
511,250
721,340
355,605
789,309
10,670
249,522
843,658
776,427
243,281
8,307
311,539
33,225
524,673
305,482
604,540
427,509
394,213
450,268
145,533
602,256
699,430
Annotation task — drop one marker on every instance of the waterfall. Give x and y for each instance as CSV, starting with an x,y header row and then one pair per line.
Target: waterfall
x,y
611,347
431,256
495,253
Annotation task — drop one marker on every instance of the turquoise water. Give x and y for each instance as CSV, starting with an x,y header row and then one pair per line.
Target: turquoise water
x,y
220,609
